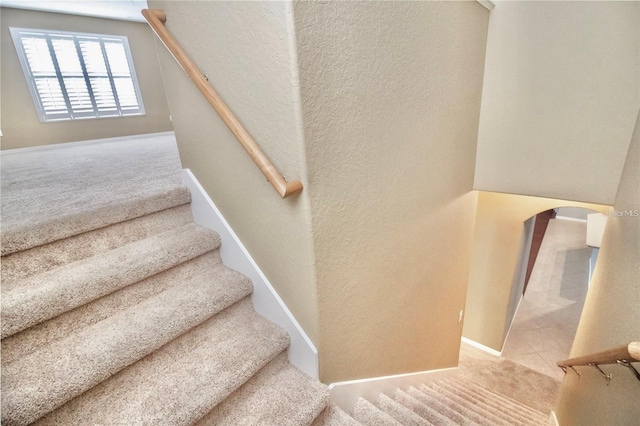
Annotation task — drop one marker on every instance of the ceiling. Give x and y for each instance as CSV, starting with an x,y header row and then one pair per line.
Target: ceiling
x,y
127,10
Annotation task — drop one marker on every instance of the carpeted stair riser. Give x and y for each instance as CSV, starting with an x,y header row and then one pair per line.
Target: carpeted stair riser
x,y
43,258
424,411
514,412
185,379
43,296
335,416
368,414
399,412
69,366
507,416
27,341
502,399
116,307
31,235
462,409
448,402
490,400
513,379
496,420
440,408
279,394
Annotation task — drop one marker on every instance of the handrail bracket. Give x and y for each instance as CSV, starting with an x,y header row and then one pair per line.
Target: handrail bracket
x,y
606,376
575,371
627,364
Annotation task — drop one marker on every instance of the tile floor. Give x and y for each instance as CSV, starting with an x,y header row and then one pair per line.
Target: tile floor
x,y
548,316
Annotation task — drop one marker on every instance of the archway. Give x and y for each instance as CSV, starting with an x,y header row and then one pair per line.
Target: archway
x,y
550,286
498,241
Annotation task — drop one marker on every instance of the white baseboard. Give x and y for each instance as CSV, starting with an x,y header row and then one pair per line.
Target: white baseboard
x,y
515,314
345,394
302,352
553,419
87,142
481,346
506,338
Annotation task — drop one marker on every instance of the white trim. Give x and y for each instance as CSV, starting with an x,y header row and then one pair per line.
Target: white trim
x,y
87,142
506,337
593,260
553,419
302,352
481,346
345,394
572,219
488,4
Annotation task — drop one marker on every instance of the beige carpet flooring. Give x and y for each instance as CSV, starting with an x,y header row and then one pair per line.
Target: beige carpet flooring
x,y
49,192
116,307
506,377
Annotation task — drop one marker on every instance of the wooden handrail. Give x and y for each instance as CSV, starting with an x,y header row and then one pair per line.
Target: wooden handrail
x,y
630,352
156,19
623,355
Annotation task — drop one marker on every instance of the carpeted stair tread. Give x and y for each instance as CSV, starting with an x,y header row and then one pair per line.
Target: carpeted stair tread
x,y
506,415
503,399
436,405
514,412
46,379
22,235
453,404
335,416
402,414
45,257
184,380
279,394
470,405
527,386
445,402
27,341
40,185
492,399
368,414
43,296
423,410
116,308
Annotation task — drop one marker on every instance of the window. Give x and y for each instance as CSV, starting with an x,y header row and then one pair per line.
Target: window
x,y
75,75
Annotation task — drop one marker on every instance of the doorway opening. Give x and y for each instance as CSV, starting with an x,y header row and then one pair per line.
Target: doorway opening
x,y
555,269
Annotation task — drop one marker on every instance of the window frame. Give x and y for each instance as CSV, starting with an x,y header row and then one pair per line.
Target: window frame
x,y
70,115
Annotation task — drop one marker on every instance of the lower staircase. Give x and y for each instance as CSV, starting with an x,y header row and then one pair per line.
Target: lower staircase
x,y
456,401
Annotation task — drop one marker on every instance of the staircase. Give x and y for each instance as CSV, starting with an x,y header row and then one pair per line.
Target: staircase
x,y
117,310
456,401
128,316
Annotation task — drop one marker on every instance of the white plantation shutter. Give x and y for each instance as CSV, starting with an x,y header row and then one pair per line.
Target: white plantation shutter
x,y
44,76
74,75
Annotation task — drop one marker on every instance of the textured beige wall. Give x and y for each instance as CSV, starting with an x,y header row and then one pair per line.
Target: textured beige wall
x,y
247,49
498,231
391,95
20,123
560,95
611,314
